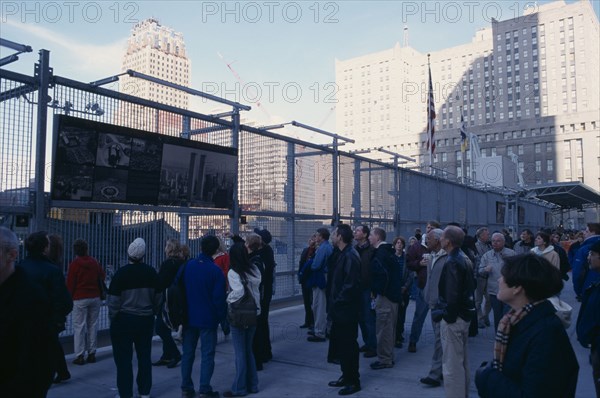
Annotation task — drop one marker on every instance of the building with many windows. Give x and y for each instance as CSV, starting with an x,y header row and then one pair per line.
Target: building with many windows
x,y
526,86
157,51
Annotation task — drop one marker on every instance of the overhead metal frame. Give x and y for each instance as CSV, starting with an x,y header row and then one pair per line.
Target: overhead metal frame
x,y
568,195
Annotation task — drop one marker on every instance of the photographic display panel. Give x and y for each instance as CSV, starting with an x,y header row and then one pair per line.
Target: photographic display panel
x,y
99,162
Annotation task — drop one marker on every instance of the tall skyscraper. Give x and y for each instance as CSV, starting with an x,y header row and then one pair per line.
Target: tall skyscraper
x,y
158,51
526,86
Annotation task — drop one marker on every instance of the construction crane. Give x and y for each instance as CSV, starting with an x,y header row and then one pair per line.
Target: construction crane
x,y
243,84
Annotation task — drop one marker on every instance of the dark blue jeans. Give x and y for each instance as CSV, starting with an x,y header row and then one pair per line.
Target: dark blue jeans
x,y
127,331
208,344
366,321
170,350
246,378
421,310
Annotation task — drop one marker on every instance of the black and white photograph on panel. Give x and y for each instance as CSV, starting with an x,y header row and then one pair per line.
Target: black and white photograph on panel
x,y
144,171
146,155
73,182
142,187
196,178
114,150
76,146
110,185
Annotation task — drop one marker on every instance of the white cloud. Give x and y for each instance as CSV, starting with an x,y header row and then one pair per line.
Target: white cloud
x,y
72,58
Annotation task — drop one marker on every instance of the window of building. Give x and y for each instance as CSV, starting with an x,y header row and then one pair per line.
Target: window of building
x,y
520,149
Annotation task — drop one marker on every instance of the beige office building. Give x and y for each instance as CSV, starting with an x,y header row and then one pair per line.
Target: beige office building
x,y
158,51
527,86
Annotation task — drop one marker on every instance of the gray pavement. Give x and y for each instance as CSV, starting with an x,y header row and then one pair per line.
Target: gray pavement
x,y
300,369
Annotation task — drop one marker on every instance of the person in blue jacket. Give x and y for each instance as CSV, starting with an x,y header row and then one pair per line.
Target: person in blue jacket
x,y
583,277
205,293
533,356
588,321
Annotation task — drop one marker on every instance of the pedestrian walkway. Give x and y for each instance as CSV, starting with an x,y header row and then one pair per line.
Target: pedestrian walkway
x,y
300,369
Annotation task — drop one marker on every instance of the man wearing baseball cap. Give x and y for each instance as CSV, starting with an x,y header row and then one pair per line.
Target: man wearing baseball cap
x,y
133,300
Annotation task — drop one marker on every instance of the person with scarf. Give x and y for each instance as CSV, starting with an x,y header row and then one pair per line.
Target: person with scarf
x,y
544,248
533,356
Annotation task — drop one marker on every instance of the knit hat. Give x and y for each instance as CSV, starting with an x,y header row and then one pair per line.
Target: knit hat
x,y
264,234
137,249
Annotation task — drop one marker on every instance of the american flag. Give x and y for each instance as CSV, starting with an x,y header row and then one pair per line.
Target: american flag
x,y
430,118
464,142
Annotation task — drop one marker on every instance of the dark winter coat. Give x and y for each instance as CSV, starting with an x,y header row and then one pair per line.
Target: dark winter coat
x,y
366,255
168,271
268,276
456,288
588,321
345,294
386,273
539,361
583,276
52,281
414,255
26,338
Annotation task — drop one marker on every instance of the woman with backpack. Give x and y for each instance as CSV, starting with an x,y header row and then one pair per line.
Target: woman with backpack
x,y
243,276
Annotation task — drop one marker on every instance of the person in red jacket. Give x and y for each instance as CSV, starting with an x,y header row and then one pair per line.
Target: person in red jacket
x,y
84,281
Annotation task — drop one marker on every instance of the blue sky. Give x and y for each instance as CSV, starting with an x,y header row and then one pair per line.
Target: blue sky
x,y
270,44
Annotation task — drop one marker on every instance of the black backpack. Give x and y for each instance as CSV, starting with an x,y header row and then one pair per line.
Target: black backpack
x,y
242,313
174,311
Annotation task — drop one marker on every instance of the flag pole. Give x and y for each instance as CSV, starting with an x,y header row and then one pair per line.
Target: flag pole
x,y
429,121
462,157
472,176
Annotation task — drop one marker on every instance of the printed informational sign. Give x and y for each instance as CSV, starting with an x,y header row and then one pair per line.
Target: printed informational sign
x,y
98,162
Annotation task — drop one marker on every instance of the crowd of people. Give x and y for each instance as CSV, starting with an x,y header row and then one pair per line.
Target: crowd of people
x,y
459,280
352,279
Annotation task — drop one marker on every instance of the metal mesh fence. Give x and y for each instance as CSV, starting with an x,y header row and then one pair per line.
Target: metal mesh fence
x,y
16,132
286,186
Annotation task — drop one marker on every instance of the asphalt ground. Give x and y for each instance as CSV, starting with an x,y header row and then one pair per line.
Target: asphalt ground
x,y
300,369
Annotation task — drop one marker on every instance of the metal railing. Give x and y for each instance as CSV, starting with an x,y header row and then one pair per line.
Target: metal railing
x,y
288,186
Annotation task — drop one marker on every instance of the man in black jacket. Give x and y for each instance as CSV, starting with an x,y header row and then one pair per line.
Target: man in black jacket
x,y
262,338
457,309
386,287
367,314
344,299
